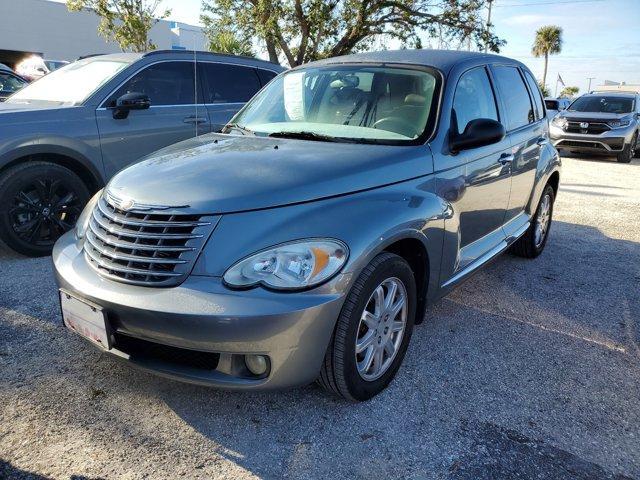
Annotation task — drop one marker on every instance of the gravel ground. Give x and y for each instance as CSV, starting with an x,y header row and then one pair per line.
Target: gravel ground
x,y
530,370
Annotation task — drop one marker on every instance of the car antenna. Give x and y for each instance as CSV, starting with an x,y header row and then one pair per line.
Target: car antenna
x,y
195,83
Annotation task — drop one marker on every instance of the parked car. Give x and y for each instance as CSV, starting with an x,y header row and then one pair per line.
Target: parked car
x,y
555,105
63,136
600,123
305,241
55,64
10,82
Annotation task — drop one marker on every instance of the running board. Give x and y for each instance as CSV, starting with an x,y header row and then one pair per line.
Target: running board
x,y
490,255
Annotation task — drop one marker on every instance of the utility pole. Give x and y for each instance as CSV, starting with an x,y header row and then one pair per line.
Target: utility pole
x,y
589,87
486,42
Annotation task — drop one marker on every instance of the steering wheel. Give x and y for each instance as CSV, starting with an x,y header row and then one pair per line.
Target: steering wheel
x,y
396,125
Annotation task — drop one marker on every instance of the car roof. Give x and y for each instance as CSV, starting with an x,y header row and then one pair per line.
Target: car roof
x,y
173,54
443,60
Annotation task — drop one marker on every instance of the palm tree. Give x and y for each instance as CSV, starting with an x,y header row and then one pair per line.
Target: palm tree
x,y
548,42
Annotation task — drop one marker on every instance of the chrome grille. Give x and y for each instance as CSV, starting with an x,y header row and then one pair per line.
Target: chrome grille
x,y
149,247
594,128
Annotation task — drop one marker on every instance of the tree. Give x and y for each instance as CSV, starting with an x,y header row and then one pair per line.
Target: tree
x,y
548,41
544,89
569,91
306,30
126,21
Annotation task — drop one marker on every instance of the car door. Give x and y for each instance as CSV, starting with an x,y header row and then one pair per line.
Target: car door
x,y
227,87
527,131
478,186
173,115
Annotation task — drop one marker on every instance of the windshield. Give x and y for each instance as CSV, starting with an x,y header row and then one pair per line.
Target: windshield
x,y
343,103
71,84
602,104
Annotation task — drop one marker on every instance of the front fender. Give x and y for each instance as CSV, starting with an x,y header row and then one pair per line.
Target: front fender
x,y
550,162
368,222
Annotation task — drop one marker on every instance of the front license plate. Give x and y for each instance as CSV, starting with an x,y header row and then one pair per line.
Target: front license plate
x,y
85,319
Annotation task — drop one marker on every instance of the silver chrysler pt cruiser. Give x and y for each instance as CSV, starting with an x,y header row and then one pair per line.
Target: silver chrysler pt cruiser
x,y
304,241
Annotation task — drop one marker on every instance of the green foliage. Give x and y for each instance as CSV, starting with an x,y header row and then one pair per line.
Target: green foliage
x,y
126,21
306,30
544,89
548,41
569,91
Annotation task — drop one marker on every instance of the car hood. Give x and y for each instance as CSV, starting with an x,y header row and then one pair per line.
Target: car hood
x,y
30,107
219,173
593,115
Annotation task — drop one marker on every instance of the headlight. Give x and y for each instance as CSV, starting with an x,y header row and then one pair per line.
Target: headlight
x,y
290,266
559,121
623,122
85,217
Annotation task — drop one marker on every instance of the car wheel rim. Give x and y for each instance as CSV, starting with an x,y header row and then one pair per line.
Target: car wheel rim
x,y
542,220
381,329
43,210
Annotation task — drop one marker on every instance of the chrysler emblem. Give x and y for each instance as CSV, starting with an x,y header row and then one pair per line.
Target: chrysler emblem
x,y
127,204
584,125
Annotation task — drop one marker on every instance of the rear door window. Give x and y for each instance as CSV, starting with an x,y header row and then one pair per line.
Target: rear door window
x,y
515,97
265,75
229,83
535,91
474,98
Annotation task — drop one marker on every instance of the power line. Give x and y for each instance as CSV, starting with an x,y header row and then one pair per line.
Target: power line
x,y
559,2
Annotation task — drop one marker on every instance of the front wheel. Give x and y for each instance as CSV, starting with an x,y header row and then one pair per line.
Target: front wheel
x,y
532,243
629,151
39,201
373,331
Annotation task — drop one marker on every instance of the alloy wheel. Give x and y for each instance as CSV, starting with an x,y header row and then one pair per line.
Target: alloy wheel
x,y
381,329
542,220
43,210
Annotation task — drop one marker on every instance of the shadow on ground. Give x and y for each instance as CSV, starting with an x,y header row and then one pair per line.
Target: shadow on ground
x,y
530,370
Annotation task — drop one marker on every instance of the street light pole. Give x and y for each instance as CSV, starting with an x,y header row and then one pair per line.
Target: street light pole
x,y
486,42
589,87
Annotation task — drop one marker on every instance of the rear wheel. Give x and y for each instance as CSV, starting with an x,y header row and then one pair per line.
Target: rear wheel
x,y
39,201
532,243
373,331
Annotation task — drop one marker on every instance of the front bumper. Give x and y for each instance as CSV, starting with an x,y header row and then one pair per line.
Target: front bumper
x,y
203,317
610,142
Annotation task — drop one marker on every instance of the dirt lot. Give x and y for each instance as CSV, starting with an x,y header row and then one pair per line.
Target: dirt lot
x,y
530,370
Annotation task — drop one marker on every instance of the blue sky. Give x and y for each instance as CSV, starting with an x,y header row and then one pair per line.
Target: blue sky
x,y
601,37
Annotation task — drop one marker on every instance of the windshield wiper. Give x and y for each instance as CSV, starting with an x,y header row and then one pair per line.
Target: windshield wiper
x,y
231,126
303,135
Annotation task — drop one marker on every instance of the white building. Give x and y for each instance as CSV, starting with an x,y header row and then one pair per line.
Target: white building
x,y
49,29
610,86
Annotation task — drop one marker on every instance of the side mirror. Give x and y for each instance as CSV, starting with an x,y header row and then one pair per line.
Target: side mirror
x,y
478,133
130,101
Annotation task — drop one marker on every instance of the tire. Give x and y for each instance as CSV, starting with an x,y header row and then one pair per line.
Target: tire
x,y
528,246
636,152
340,373
39,201
628,152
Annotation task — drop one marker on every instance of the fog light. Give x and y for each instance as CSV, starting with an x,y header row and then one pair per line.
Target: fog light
x,y
257,364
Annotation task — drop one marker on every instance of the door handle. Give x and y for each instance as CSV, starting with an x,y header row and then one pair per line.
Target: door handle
x,y
506,158
194,119
542,141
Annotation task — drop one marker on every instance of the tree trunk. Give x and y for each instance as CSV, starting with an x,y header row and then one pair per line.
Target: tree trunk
x,y
544,75
273,53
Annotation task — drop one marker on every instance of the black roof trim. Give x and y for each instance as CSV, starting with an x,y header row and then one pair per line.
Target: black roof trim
x,y
203,52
